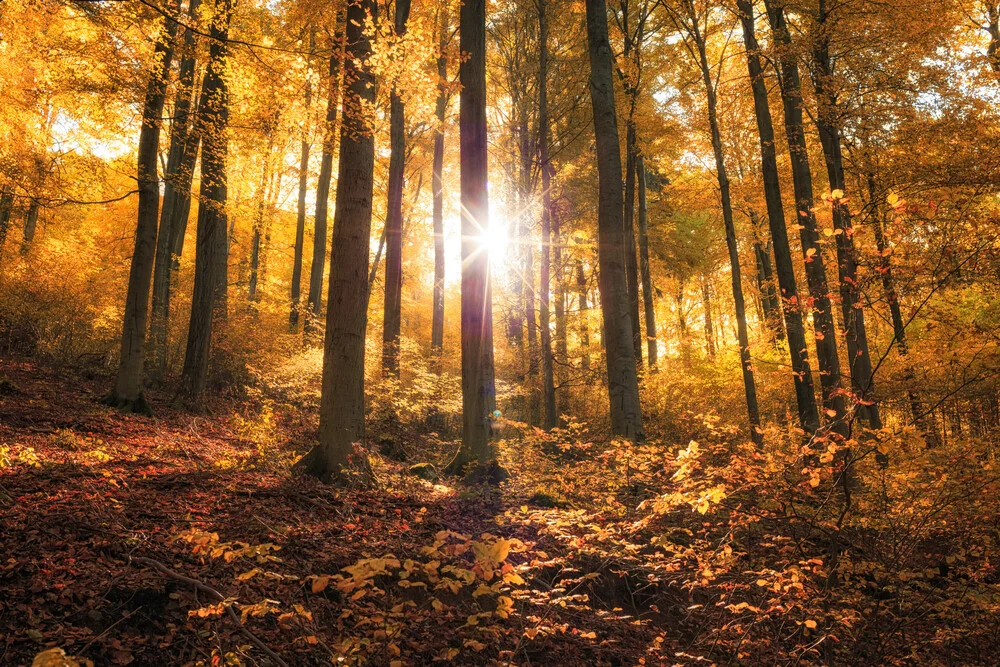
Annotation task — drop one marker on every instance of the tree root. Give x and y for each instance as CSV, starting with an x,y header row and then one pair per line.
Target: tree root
x,y
138,406
218,597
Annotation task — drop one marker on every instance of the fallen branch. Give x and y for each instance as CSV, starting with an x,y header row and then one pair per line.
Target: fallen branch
x,y
219,597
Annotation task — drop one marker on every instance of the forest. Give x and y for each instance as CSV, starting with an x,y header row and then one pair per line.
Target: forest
x,y
520,332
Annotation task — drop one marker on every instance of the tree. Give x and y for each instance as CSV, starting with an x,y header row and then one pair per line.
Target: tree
x,y
819,291
550,418
211,243
128,393
694,39
623,383
315,299
797,349
300,221
478,384
827,124
176,198
392,315
644,273
437,188
342,403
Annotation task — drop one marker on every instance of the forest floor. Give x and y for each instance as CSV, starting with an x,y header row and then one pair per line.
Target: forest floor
x,y
87,493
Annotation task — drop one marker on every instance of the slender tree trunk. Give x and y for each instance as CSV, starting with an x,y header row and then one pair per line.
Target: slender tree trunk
x,y
342,405
749,387
437,323
549,417
30,223
392,307
682,327
631,265
706,303
128,392
528,272
478,385
917,408
797,347
318,266
300,220
850,289
437,185
185,180
819,291
644,273
263,198
623,384
180,129
584,308
210,248
770,303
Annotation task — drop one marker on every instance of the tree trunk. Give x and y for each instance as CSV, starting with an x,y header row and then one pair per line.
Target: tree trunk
x,y
263,198
623,385
478,384
706,303
584,308
549,416
749,387
128,392
819,291
210,248
797,347
437,185
770,303
392,306
850,290
6,208
342,405
180,129
30,223
300,220
644,273
318,266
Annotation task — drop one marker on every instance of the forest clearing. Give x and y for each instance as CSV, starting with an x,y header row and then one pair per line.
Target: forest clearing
x,y
529,332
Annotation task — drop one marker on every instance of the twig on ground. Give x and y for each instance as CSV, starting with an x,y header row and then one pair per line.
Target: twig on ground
x,y
219,597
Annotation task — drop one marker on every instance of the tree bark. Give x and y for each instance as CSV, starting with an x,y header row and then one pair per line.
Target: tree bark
x,y
706,303
765,282
318,267
437,185
210,247
128,393
850,290
819,291
478,384
6,208
797,347
749,386
300,220
644,272
342,405
30,223
392,306
584,308
549,416
173,199
623,384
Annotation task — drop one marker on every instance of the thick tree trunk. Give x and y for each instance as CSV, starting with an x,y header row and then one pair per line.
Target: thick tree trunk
x,y
318,267
478,384
210,247
437,185
828,125
819,291
300,220
644,272
180,129
797,347
392,306
128,392
623,384
749,386
6,208
342,406
549,416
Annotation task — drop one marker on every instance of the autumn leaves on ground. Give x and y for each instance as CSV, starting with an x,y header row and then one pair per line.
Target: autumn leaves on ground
x,y
521,332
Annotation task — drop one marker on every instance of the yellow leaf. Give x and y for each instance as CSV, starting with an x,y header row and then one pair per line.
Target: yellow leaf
x,y
320,583
474,645
762,582
531,633
837,194
588,635
513,578
500,550
811,624
359,594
